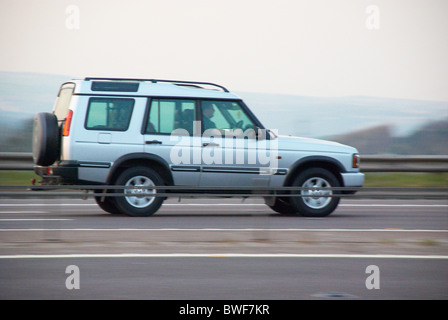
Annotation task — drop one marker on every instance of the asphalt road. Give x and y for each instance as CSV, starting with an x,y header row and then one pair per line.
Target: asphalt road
x,y
223,213
223,249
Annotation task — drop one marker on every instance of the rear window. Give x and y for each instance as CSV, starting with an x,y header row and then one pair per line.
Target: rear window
x,y
112,114
63,100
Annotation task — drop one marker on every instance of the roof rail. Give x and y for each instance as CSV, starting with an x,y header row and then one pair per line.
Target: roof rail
x,y
175,82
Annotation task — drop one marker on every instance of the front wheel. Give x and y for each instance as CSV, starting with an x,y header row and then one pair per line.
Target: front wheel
x,y
318,201
139,202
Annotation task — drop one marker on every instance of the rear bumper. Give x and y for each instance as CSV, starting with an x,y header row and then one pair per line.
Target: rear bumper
x,y
61,173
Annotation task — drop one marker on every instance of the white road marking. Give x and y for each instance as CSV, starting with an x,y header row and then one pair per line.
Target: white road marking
x,y
219,204
35,219
45,204
221,255
14,212
232,230
394,205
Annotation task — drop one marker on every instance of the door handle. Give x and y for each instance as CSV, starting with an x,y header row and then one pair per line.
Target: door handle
x,y
153,142
210,144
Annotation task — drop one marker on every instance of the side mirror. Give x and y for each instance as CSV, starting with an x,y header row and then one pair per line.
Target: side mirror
x,y
261,134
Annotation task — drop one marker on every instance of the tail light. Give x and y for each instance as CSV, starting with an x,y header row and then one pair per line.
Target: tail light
x,y
67,123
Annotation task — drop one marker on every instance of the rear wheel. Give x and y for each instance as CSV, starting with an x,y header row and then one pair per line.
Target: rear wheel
x,y
139,202
283,207
318,201
106,203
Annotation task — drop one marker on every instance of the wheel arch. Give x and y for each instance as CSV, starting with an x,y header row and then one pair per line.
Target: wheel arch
x,y
140,159
323,162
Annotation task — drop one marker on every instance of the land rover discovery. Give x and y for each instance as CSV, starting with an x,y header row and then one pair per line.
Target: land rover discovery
x,y
143,133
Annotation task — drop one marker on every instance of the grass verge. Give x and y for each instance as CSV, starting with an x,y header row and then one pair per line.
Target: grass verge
x,y
17,178
407,180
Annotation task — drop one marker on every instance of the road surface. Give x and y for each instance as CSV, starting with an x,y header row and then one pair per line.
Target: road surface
x,y
224,249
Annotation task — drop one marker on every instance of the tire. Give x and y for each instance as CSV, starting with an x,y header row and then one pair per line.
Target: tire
x,y
140,204
107,204
283,207
46,139
317,205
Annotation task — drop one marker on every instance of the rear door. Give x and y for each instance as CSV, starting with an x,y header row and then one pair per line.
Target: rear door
x,y
106,129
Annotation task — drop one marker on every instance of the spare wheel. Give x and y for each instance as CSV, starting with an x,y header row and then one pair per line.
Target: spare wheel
x,y
45,139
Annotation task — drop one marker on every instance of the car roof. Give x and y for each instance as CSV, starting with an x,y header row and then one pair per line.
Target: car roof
x,y
151,87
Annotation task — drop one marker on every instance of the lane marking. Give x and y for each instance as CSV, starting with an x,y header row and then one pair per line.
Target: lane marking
x,y
222,255
394,205
218,204
15,212
35,219
232,230
44,204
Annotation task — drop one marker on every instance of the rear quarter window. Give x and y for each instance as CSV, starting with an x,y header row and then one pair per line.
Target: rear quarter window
x,y
60,109
112,114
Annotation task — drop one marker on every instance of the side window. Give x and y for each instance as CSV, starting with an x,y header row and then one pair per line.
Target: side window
x,y
167,115
225,115
112,114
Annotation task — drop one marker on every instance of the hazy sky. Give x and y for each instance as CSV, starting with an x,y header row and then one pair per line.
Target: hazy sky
x,y
301,47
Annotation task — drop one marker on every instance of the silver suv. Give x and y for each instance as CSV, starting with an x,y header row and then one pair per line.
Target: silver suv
x,y
148,132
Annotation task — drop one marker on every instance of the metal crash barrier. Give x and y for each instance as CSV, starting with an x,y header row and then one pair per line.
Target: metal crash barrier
x,y
369,163
86,191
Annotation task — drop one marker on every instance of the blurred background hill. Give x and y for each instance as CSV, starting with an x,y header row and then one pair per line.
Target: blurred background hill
x,y
371,124
430,139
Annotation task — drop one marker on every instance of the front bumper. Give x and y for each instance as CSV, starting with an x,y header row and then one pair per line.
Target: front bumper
x,y
353,179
